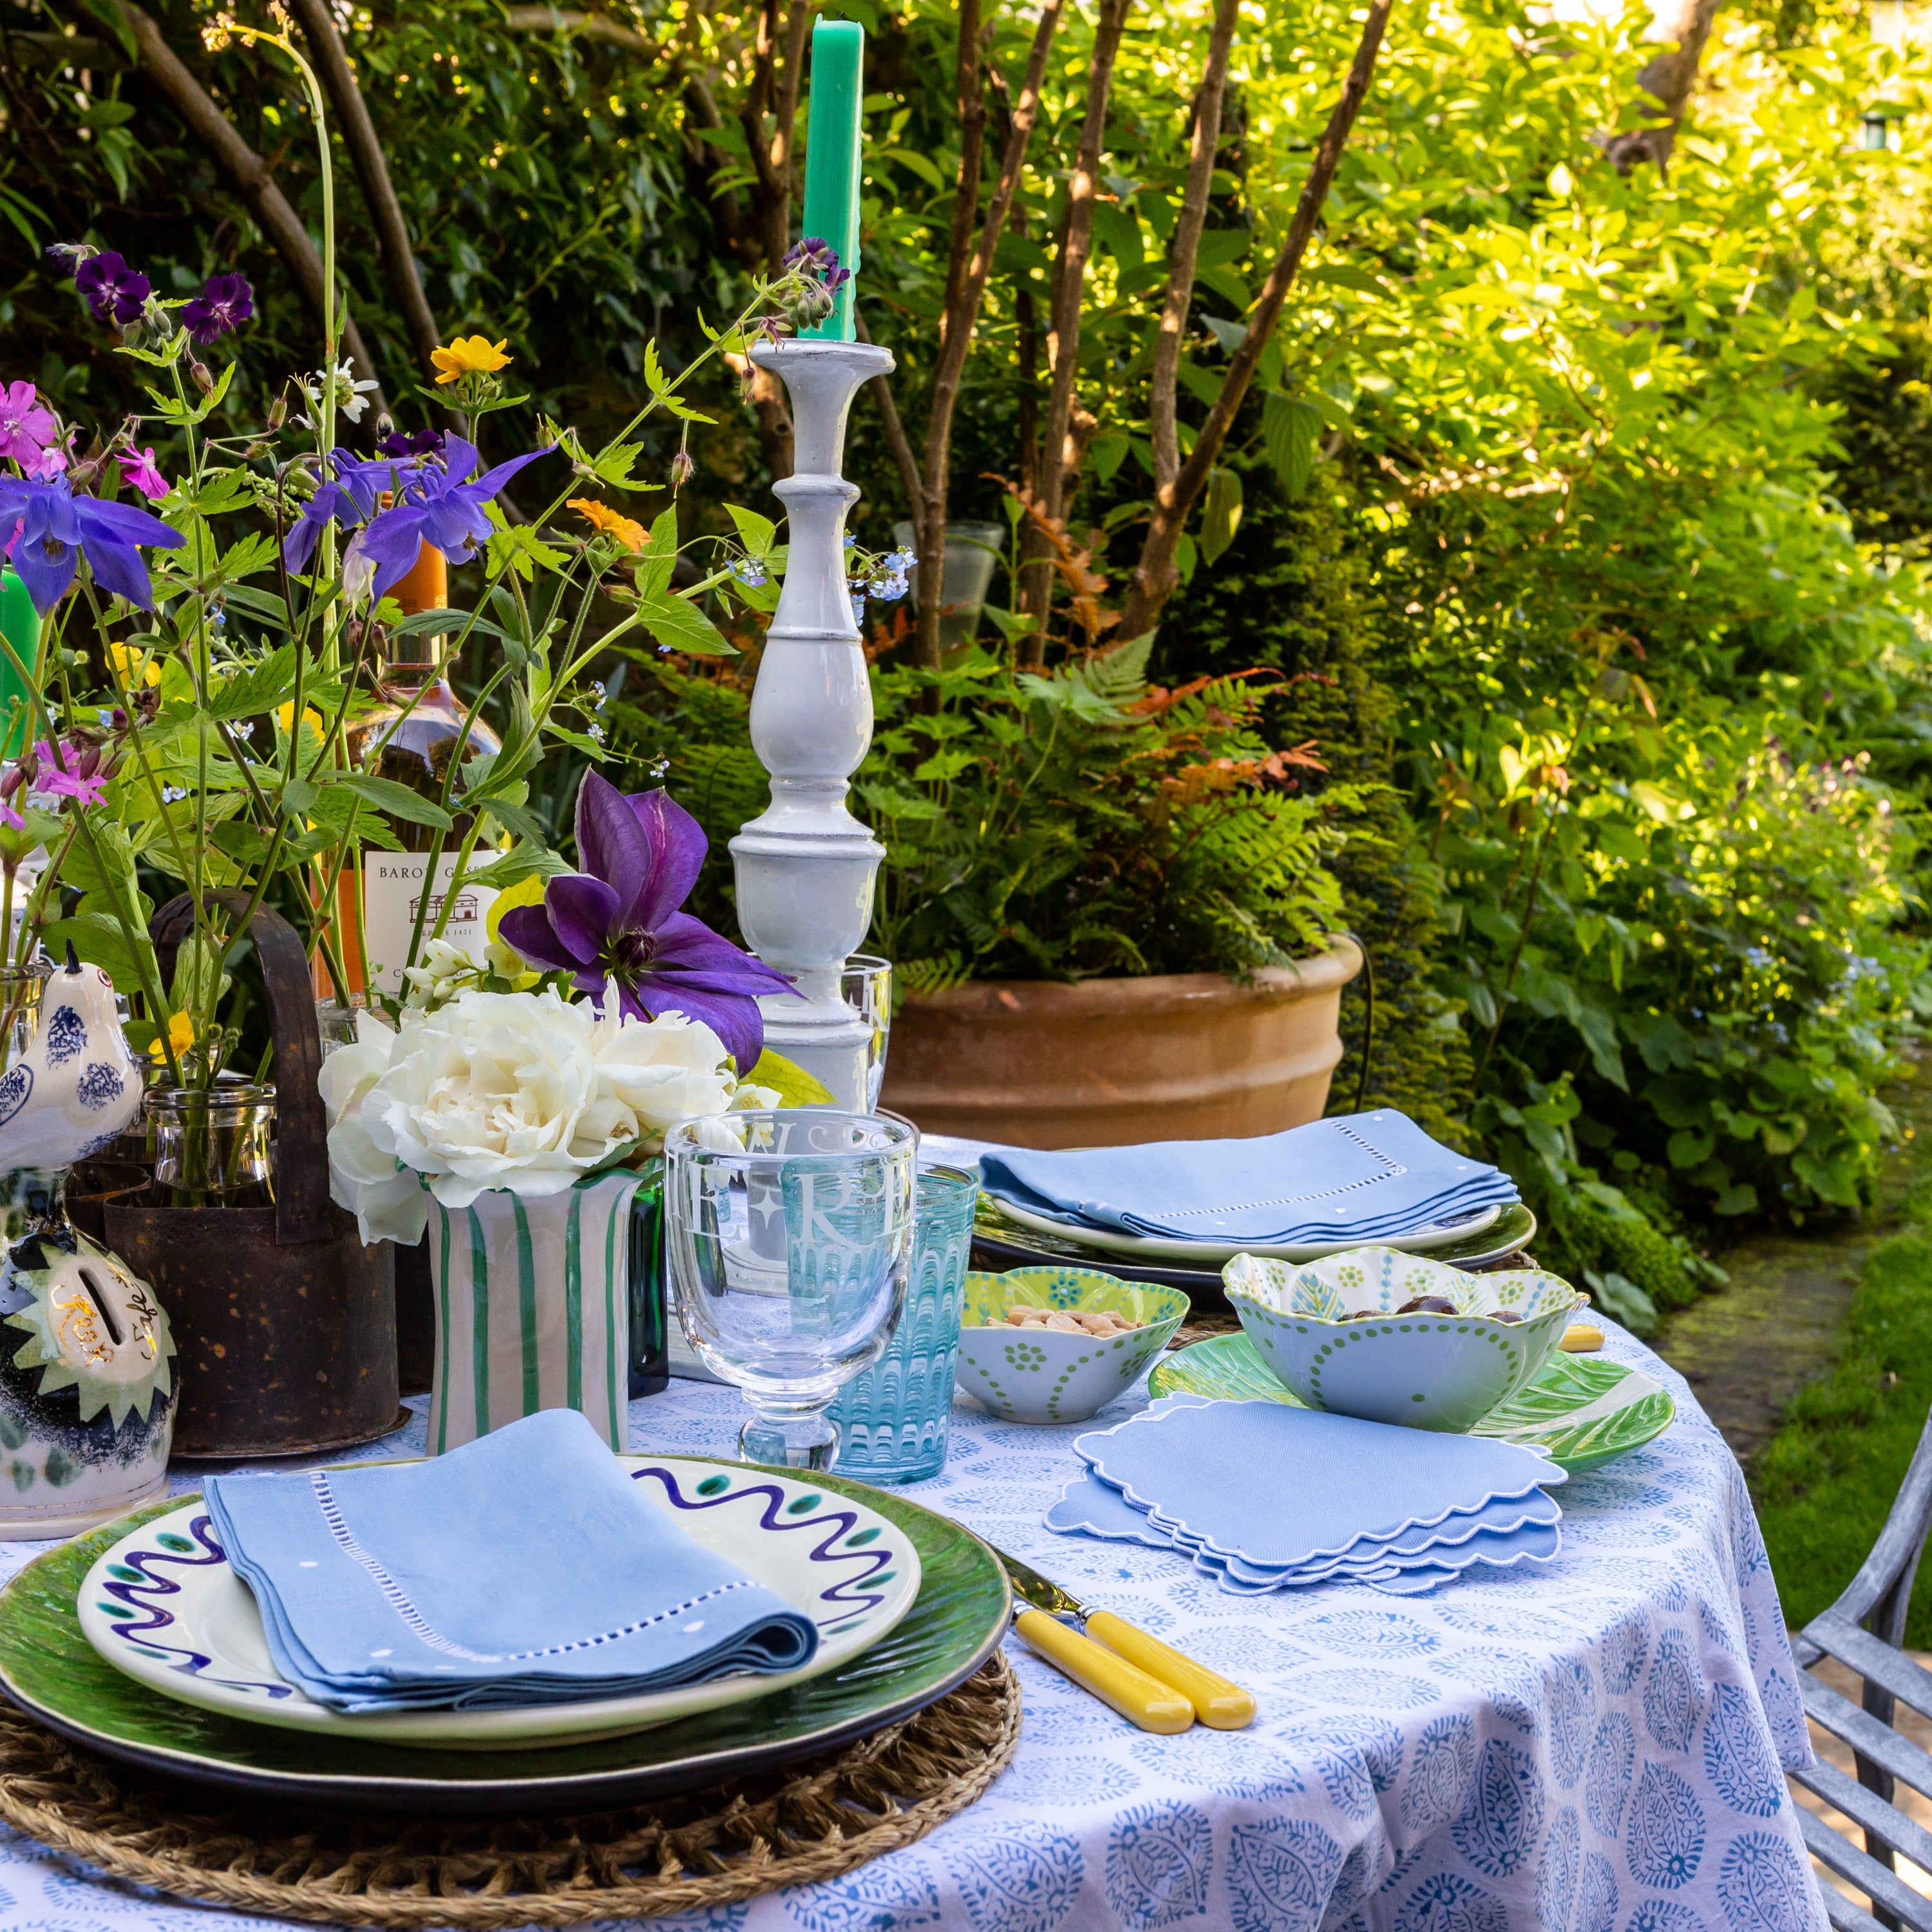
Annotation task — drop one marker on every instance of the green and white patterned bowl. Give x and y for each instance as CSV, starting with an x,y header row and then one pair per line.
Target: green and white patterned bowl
x,y
1440,1372
1043,1375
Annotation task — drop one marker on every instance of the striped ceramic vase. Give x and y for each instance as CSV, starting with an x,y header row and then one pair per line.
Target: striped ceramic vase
x,y
531,1308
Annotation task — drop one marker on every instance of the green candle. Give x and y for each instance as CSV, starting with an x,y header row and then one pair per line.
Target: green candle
x,y
832,156
21,623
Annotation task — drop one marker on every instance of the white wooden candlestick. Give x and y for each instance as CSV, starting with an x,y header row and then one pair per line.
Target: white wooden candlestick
x,y
805,866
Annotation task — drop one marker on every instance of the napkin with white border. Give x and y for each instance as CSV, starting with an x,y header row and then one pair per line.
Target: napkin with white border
x,y
1349,1178
525,1568
1263,1497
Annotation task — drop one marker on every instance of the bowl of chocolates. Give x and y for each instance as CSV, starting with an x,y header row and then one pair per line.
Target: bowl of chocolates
x,y
1043,1344
1398,1338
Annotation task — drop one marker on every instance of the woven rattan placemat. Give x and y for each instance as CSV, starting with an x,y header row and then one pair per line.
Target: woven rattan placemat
x,y
796,1826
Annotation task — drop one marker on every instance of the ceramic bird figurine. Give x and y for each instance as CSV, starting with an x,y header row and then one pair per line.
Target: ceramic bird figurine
x,y
77,1086
87,1388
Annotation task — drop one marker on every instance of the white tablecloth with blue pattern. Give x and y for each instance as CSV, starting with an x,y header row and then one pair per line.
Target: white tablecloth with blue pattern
x,y
1596,1748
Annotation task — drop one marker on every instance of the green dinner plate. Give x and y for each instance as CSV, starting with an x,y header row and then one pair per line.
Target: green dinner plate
x,y
1001,1242
1583,1412
48,1667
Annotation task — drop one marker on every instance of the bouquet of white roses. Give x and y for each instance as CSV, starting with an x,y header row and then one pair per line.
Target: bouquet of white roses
x,y
516,1090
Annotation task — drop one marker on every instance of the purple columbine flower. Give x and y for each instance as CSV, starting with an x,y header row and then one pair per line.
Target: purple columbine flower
x,y
115,292
223,305
350,495
618,920
443,508
56,528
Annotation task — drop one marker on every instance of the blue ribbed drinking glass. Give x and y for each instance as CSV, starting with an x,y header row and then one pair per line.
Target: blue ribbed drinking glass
x,y
895,1418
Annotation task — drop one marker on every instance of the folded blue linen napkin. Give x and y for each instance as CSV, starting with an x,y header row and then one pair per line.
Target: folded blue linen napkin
x,y
1263,1497
1355,1177
522,1568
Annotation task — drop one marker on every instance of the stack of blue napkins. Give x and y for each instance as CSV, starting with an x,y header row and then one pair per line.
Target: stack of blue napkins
x,y
522,1568
1357,1177
1264,1497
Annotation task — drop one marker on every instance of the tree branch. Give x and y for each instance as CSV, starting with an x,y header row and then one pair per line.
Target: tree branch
x,y
588,26
1155,576
897,441
1059,452
1667,78
379,194
969,90
247,172
929,508
1186,250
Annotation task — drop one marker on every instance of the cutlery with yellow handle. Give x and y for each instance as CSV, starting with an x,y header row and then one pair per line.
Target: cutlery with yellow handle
x,y
1150,1683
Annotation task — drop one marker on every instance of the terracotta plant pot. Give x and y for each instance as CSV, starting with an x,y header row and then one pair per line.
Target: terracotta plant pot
x,y
1184,1056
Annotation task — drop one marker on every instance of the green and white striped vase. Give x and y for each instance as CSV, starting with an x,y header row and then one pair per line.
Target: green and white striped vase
x,y
532,1308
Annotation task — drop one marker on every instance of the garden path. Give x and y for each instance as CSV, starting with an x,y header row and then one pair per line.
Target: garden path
x,y
1748,1350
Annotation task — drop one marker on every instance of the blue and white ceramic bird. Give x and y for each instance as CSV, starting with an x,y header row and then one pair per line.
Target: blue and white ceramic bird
x,y
77,1085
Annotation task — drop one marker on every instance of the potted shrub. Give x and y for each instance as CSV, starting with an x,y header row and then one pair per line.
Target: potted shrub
x,y
1110,905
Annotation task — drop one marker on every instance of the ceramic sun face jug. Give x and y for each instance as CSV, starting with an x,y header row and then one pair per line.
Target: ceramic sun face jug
x,y
86,1384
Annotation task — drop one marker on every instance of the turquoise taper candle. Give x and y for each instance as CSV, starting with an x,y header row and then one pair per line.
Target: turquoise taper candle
x,y
21,623
832,156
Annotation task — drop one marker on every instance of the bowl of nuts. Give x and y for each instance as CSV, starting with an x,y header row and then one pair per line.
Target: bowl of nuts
x,y
1398,1338
1043,1344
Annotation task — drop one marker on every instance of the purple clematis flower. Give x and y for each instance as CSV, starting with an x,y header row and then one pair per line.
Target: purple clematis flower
x,y
443,508
618,920
224,305
115,292
56,527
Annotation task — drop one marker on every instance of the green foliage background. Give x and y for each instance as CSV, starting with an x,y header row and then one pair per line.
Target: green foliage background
x,y
1581,514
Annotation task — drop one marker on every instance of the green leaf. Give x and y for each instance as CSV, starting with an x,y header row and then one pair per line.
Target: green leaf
x,y
758,534
795,1087
527,860
1221,515
678,623
259,689
398,801
1290,429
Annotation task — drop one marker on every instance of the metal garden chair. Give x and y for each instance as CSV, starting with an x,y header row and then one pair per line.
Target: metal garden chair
x,y
1878,1597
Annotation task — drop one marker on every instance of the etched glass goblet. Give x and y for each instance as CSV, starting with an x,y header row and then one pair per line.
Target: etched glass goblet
x,y
789,1233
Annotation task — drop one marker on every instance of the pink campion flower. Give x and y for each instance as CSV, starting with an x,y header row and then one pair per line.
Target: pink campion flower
x,y
137,468
78,781
26,425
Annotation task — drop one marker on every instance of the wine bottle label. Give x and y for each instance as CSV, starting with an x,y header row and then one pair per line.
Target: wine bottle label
x,y
392,892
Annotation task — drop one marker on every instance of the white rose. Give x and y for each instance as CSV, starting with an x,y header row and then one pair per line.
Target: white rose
x,y
661,1071
495,1090
387,1201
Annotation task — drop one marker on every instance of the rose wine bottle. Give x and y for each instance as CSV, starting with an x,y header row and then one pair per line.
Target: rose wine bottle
x,y
412,737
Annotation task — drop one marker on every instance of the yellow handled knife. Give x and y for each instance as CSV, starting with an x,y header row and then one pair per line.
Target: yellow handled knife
x,y
1055,1616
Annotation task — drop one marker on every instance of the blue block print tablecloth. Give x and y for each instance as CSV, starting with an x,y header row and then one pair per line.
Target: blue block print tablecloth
x,y
1597,1748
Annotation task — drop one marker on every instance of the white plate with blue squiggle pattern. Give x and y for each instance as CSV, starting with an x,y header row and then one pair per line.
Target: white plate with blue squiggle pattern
x,y
164,1605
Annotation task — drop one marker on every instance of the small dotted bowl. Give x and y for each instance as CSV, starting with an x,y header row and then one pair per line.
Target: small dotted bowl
x,y
1044,1374
1440,1372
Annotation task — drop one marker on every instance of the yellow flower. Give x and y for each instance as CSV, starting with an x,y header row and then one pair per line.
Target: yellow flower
x,y
607,522
469,356
505,961
180,1037
285,716
133,667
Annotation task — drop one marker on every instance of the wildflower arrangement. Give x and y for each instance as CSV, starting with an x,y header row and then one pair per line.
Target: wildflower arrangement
x,y
213,600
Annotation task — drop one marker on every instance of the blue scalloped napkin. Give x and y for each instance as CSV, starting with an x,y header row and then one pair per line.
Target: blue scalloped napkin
x,y
1351,1178
1263,1497
522,1568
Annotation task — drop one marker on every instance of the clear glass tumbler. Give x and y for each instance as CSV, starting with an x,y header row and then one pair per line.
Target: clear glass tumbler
x,y
895,1419
866,986
790,1234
